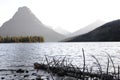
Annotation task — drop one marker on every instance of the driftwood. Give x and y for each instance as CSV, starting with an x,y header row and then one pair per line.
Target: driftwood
x,y
72,72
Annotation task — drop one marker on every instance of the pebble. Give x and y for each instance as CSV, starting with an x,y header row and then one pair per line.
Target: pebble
x,y
2,77
20,71
26,75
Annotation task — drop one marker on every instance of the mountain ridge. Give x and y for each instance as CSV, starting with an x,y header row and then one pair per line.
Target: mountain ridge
x,y
88,28
107,32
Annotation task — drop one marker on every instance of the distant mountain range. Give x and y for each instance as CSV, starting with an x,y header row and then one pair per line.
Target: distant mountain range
x,y
107,32
88,28
62,31
25,23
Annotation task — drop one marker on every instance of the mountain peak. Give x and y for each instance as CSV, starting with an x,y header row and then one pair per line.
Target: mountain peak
x,y
24,14
24,9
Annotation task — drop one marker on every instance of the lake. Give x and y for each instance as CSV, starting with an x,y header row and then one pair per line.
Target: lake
x,y
17,55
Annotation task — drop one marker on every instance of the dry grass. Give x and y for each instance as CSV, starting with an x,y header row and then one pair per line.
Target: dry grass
x,y
61,67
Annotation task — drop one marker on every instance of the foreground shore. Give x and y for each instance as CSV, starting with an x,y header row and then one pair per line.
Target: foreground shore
x,y
59,69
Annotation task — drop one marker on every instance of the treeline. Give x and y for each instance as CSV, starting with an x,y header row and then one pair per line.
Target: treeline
x,y
21,39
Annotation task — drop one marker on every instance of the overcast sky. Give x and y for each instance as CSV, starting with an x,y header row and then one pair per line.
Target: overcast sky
x,y
67,14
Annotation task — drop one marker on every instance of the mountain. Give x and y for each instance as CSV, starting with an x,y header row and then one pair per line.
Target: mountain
x,y
88,28
25,23
107,32
62,31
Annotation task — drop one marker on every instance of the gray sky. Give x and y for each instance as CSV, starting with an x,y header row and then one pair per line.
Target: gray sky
x,y
67,14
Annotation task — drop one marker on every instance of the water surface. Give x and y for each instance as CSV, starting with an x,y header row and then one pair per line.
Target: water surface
x,y
25,54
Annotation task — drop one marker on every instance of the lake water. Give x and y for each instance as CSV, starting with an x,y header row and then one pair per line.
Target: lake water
x,y
15,55
18,54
